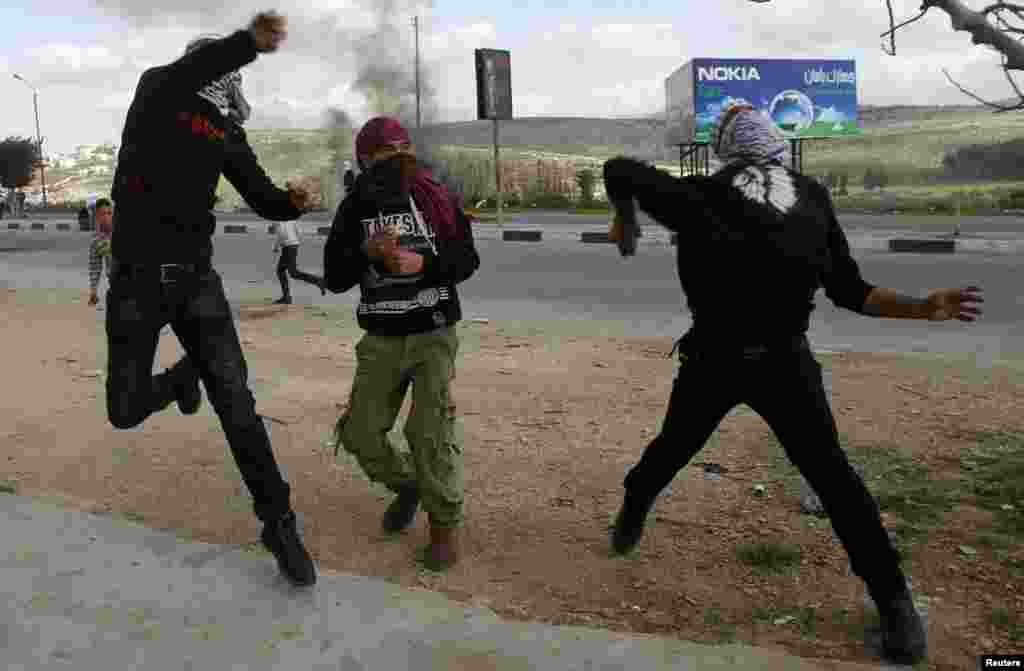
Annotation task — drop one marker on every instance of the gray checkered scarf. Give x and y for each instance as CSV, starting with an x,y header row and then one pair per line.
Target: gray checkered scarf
x,y
744,135
225,93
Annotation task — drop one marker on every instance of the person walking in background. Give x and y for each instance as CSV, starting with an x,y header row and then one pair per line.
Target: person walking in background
x,y
99,249
756,241
288,241
348,180
406,241
183,131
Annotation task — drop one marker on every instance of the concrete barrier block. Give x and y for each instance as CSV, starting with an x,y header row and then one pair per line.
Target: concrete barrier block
x,y
923,245
38,226
595,236
63,227
236,228
522,236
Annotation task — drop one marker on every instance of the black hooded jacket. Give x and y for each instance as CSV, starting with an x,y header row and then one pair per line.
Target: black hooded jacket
x,y
174,148
393,304
749,270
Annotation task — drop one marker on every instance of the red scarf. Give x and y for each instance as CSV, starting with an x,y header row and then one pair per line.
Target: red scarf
x,y
430,195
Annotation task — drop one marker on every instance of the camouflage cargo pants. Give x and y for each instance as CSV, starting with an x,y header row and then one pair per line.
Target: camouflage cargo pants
x,y
385,367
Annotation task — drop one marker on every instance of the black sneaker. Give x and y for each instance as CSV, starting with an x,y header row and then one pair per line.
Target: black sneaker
x,y
629,523
282,539
402,510
284,300
186,390
903,636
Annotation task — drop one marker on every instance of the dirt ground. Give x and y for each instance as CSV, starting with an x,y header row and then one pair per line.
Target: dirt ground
x,y
552,418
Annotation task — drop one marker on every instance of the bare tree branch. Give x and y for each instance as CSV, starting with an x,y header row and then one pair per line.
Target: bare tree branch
x,y
998,107
981,29
893,28
990,27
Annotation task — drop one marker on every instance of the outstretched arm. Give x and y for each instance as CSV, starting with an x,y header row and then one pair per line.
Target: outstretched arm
x,y
665,198
847,289
940,305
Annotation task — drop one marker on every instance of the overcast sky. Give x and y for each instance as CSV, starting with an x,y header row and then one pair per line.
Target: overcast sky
x,y
569,58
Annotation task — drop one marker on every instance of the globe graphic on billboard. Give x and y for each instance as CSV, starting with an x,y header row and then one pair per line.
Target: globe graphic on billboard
x,y
792,111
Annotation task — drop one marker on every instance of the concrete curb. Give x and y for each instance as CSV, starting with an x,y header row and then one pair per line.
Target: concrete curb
x,y
94,592
923,244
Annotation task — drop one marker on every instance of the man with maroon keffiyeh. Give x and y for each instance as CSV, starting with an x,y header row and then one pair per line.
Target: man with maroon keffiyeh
x,y
406,241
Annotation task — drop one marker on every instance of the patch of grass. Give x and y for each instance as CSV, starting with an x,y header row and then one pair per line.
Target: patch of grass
x,y
1016,566
133,517
724,632
902,486
769,557
712,617
994,541
1008,621
8,487
995,470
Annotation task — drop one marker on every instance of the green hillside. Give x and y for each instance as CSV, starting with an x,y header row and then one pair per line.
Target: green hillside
x,y
909,142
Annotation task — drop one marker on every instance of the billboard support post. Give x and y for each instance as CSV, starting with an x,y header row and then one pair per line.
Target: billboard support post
x,y
497,174
494,101
797,154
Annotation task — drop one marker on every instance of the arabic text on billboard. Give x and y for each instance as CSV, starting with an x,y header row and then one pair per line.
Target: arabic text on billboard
x,y
805,98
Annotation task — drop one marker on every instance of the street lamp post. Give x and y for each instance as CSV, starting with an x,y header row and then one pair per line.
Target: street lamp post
x,y
39,138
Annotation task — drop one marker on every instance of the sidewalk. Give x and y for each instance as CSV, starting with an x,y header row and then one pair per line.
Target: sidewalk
x,y
99,593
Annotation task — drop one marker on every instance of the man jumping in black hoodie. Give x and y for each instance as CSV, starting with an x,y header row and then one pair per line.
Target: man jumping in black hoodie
x,y
183,130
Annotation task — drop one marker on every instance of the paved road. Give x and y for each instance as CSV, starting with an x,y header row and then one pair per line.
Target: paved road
x,y
854,223
567,281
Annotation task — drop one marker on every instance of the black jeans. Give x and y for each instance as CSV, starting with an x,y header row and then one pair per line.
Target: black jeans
x,y
784,386
138,307
287,265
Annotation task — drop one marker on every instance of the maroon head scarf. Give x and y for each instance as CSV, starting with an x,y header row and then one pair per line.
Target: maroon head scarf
x,y
430,195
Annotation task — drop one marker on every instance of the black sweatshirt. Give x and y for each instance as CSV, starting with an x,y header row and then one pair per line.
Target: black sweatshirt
x,y
393,304
749,272
174,148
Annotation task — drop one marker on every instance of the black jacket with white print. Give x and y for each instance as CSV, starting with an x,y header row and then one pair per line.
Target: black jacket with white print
x,y
755,243
393,304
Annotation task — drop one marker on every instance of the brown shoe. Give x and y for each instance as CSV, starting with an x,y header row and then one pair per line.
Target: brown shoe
x,y
443,551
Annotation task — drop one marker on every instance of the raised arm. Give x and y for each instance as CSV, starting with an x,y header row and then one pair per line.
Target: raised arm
x,y
665,198
208,63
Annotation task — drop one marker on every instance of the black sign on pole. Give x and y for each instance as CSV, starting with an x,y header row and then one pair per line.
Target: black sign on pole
x,y
493,84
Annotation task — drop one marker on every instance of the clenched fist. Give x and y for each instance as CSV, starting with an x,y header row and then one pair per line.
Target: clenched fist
x,y
268,31
304,192
382,246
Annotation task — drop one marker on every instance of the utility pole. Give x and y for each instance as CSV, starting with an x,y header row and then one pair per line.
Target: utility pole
x,y
39,138
416,28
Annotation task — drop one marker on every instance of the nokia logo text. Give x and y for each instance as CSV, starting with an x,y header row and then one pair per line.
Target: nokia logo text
x,y
719,73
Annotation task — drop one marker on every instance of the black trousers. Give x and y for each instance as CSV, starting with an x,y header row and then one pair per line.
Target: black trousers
x,y
138,307
287,265
784,386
